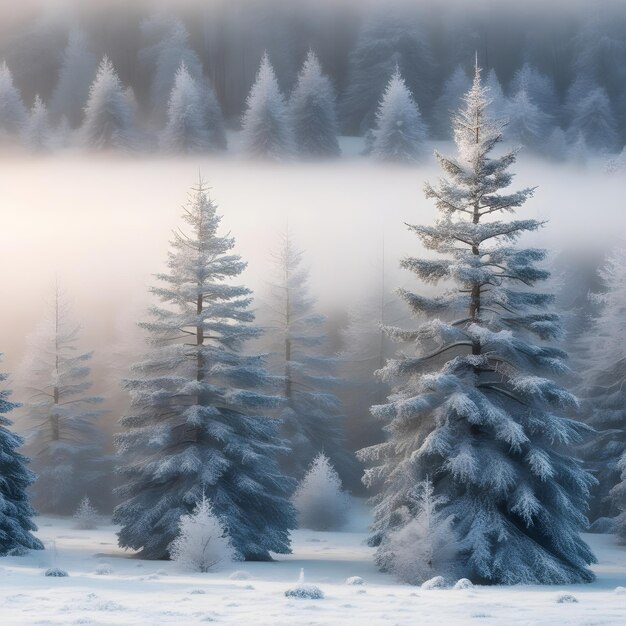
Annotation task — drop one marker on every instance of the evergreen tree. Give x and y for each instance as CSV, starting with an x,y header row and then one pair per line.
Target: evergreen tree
x,y
498,101
63,439
312,418
78,69
16,525
186,129
109,115
603,386
312,112
390,37
477,408
528,124
594,120
37,134
450,100
166,48
265,127
400,133
13,113
213,116
618,494
539,88
196,423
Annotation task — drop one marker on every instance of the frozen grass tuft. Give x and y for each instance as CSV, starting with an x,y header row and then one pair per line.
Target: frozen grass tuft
x,y
56,572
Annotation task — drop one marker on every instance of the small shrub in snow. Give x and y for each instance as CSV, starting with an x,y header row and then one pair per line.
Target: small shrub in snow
x,y
102,569
197,592
463,583
355,580
56,572
203,543
304,591
319,499
436,582
239,575
86,517
425,546
566,598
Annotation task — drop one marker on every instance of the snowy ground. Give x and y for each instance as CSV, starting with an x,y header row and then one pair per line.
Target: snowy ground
x,y
108,586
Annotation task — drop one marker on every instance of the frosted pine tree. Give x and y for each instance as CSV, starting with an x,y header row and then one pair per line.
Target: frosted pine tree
x,y
603,385
186,129
109,116
450,100
593,119
400,133
312,415
198,419
528,124
63,438
265,124
78,69
37,133
618,495
16,512
477,407
13,113
498,101
539,87
312,112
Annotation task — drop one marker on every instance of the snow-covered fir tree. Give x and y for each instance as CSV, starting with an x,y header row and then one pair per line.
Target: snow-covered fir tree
x,y
202,544
13,113
213,116
86,516
390,37
618,495
186,129
266,132
16,512
312,418
539,88
312,112
528,124
166,48
451,98
319,499
400,133
593,119
478,408
62,438
498,101
77,71
37,133
603,387
424,545
198,419
109,114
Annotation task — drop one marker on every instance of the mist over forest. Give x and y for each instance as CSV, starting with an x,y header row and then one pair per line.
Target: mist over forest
x,y
330,283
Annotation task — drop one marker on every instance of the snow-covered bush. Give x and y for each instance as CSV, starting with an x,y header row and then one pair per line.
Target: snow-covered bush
x,y
103,569
463,583
425,546
319,499
436,582
304,591
55,572
239,575
400,132
86,517
355,580
203,543
566,598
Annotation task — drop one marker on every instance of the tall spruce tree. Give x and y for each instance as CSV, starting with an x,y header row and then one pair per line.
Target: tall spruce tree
x,y
312,112
13,113
477,408
63,439
197,426
16,525
603,387
312,418
400,133
266,132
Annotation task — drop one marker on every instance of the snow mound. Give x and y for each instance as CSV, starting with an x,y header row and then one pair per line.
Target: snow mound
x,y
195,592
56,572
305,592
566,598
102,569
239,575
620,590
436,582
603,526
463,583
355,580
